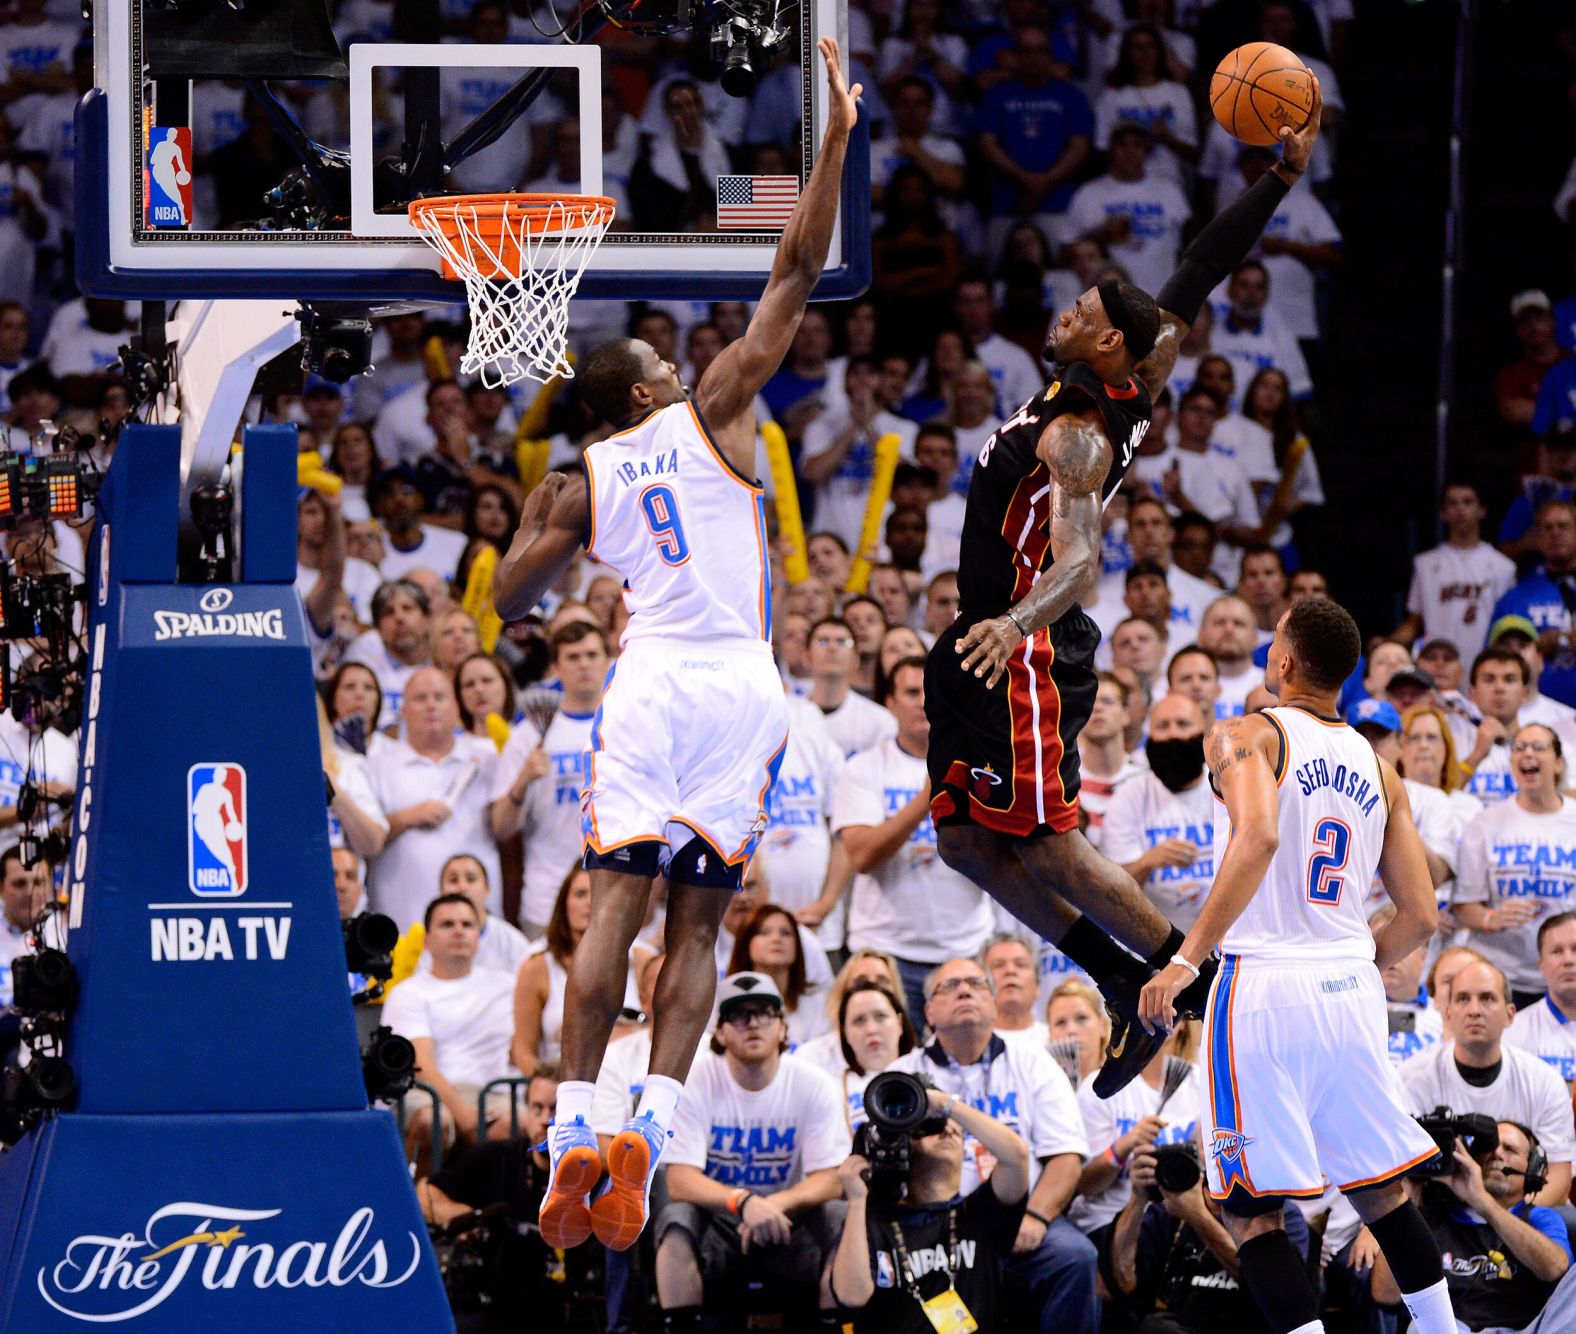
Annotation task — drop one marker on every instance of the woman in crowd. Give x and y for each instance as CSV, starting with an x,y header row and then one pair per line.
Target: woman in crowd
x,y
1440,808
1528,835
897,643
491,516
501,946
539,990
603,595
483,687
862,965
1268,402
353,700
873,1030
949,352
1076,1011
1141,92
354,459
769,943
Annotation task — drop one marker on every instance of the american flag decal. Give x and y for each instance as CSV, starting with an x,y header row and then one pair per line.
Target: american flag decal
x,y
756,201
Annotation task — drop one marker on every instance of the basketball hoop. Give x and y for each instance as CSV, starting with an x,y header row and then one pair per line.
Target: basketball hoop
x,y
521,257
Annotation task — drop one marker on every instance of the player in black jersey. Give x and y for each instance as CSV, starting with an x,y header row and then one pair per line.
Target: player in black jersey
x,y
1010,685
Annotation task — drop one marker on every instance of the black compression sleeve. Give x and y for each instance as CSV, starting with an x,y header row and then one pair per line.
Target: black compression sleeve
x,y
1220,247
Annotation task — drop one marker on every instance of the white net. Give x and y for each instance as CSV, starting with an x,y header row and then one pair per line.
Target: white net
x,y
521,257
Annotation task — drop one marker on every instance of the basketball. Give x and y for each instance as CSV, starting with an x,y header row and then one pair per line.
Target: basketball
x,y
1258,88
233,831
183,178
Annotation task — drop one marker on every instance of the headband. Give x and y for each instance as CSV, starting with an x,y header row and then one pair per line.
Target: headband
x,y
1140,340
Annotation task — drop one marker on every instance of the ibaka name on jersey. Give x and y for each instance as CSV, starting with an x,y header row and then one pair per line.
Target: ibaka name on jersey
x,y
216,830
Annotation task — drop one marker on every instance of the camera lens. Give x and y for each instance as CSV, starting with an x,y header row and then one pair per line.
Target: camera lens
x,y
1177,1168
738,73
896,1102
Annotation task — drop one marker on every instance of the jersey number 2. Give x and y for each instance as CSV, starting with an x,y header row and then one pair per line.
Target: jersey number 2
x,y
1332,844
661,508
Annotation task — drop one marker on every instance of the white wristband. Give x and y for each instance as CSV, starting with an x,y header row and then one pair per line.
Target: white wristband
x,y
1183,963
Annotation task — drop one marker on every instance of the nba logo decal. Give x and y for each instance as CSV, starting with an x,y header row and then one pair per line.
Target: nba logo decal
x,y
216,830
168,177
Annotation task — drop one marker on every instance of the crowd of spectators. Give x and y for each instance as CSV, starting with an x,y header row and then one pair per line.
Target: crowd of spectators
x,y
1020,153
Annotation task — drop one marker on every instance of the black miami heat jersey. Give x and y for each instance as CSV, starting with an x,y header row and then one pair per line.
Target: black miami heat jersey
x,y
1006,527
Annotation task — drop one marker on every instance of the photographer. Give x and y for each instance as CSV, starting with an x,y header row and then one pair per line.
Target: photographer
x,y
906,1266
1172,1257
1505,1257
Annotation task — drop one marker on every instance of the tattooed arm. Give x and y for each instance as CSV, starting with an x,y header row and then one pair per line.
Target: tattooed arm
x,y
1077,455
1242,754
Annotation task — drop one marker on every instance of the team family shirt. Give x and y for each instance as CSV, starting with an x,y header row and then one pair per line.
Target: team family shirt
x,y
1014,1083
550,814
765,1140
1510,854
1525,1090
1143,814
1547,1032
1106,1120
914,905
797,844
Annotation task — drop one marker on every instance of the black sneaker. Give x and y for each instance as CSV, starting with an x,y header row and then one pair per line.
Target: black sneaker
x,y
1131,1047
1193,999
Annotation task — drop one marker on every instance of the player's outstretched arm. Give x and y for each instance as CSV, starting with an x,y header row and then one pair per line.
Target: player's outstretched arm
x,y
1240,753
554,523
1403,866
1224,244
732,381
1077,454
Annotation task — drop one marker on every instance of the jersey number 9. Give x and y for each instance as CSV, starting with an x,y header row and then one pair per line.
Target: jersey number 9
x,y
661,508
1332,844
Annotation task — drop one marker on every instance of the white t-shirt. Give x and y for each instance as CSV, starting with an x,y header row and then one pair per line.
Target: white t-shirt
x,y
1454,590
439,550
842,497
1106,1120
1016,1084
350,779
1217,486
72,346
1561,718
403,879
943,534
914,906
1252,349
1547,1032
46,123
401,432
1165,103
620,1082
1234,692
1491,782
469,1019
765,1140
1301,218
1035,1035
13,941
550,816
1095,796
34,48
1509,853
1527,1090
856,724
797,844
360,582
367,649
1013,371
1144,813
1413,1027
48,756
1156,209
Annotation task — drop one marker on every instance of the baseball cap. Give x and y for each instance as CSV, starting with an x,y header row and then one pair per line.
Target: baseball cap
x,y
1441,642
1512,625
1139,568
1412,676
399,472
740,987
1374,713
1531,299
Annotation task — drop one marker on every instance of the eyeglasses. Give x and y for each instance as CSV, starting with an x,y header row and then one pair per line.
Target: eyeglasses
x,y
833,641
951,984
748,1017
1536,747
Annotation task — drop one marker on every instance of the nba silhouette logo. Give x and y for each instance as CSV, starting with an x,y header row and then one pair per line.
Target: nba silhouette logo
x,y
216,835
168,177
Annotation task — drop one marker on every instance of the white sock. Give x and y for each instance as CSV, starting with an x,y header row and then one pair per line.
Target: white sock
x,y
1430,1308
660,1097
574,1099
1312,1327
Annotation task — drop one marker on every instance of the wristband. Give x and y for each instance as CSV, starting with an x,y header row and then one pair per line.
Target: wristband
x,y
1183,963
949,1104
1295,171
1016,624
1118,1158
1488,921
1037,1216
737,1200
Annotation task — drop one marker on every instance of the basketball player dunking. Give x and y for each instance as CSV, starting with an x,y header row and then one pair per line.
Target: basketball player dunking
x,y
1300,1084
692,724
1004,762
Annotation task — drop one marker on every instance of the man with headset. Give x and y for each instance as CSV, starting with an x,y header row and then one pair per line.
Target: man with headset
x,y
1505,1257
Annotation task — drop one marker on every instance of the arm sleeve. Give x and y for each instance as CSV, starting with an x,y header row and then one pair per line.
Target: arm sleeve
x,y
1220,247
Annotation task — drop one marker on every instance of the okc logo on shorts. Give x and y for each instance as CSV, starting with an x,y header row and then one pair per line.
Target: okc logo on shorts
x,y
216,838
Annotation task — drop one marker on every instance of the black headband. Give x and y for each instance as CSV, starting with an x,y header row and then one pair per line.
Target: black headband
x,y
1140,341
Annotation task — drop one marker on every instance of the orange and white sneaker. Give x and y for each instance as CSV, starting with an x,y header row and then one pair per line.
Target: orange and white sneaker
x,y
575,1166
619,1214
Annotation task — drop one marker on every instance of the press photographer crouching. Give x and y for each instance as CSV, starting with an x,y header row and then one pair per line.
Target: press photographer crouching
x,y
1174,1263
1507,1260
915,1254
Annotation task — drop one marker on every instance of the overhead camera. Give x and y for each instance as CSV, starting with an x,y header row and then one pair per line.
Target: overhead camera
x,y
45,1085
335,347
388,1064
898,1107
745,38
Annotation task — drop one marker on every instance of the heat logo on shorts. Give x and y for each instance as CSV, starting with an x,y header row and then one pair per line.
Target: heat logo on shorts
x,y
216,836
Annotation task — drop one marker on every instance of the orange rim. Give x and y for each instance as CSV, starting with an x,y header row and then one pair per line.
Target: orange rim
x,y
539,213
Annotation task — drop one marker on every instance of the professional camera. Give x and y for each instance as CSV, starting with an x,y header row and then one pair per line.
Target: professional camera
x,y
1177,1169
1478,1131
898,1106
334,346
745,38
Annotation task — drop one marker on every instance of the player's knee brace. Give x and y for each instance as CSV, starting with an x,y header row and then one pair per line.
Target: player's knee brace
x,y
644,858
698,863
1409,1247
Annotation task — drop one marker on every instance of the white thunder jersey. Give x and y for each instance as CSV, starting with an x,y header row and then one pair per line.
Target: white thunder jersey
x,y
1333,811
685,531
